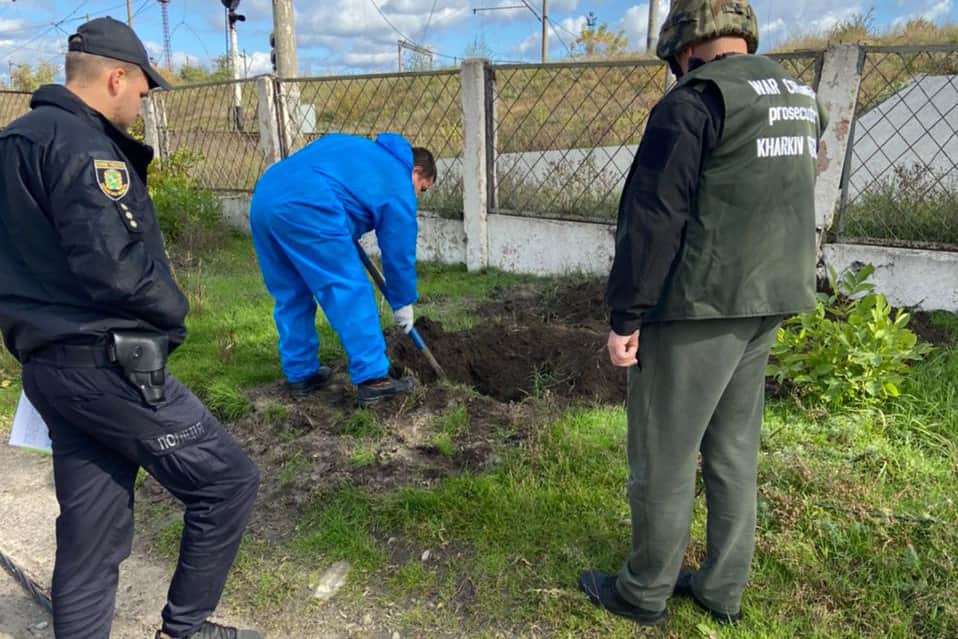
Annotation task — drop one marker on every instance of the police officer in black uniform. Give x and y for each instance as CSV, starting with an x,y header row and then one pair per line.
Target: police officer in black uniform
x,y
90,308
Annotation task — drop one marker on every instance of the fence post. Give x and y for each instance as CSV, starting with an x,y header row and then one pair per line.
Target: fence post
x,y
838,92
151,125
492,140
476,88
289,95
269,136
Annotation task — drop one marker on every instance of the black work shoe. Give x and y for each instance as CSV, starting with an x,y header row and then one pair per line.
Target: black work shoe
x,y
683,588
601,590
210,630
377,390
316,381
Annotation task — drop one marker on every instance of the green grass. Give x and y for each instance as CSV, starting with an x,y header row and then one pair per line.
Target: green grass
x,y
9,389
362,457
915,204
362,424
857,532
447,428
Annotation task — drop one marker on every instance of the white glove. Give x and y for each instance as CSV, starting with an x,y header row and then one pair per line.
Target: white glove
x,y
403,317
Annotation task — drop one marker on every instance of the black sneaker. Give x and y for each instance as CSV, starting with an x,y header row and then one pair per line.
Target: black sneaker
x,y
683,588
601,590
210,630
316,381
376,390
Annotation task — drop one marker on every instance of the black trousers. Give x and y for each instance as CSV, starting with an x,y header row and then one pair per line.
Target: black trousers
x,y
102,433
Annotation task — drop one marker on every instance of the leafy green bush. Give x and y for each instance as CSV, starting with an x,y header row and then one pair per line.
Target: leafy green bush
x,y
850,350
188,214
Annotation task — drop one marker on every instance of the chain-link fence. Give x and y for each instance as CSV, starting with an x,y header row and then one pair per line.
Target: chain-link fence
x,y
214,129
566,134
901,183
423,107
805,66
13,104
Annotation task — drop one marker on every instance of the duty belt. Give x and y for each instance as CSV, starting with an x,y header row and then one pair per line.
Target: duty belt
x,y
73,356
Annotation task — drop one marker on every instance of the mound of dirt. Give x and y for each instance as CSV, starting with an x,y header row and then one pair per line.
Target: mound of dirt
x,y
922,326
311,447
509,362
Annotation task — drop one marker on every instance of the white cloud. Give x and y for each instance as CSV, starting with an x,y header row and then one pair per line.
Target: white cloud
x,y
370,59
938,10
931,11
830,19
529,44
13,27
256,63
354,36
635,22
772,28
780,21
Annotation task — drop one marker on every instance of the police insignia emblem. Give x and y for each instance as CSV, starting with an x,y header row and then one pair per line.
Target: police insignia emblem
x,y
113,178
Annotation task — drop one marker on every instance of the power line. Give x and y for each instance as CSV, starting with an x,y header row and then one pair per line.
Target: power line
x,y
389,22
53,25
37,25
576,36
428,20
556,32
143,7
532,9
455,58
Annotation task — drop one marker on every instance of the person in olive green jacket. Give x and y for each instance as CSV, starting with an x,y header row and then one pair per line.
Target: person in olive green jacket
x,y
715,244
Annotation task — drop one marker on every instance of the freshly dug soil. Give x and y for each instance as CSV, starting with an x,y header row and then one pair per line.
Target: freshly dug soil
x,y
921,325
510,362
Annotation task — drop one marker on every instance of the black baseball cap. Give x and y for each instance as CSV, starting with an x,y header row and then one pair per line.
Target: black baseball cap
x,y
114,39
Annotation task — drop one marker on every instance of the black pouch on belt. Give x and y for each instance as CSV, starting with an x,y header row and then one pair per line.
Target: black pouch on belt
x,y
142,356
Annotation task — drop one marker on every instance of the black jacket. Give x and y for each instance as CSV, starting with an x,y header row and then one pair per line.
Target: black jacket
x,y
682,131
81,251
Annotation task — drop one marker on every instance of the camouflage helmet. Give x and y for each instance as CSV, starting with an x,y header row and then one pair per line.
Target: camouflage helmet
x,y
693,21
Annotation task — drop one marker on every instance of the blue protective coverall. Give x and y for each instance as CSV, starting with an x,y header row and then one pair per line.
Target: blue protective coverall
x,y
305,213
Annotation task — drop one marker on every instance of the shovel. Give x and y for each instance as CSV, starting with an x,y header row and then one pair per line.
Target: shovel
x,y
413,333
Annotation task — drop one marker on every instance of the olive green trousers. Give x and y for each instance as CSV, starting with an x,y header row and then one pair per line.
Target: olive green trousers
x,y
700,387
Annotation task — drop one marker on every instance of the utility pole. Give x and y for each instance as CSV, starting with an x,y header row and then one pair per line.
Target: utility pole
x,y
425,52
545,31
231,19
285,35
129,13
653,38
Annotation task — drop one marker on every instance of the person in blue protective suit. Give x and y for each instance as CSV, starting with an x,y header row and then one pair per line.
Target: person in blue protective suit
x,y
305,215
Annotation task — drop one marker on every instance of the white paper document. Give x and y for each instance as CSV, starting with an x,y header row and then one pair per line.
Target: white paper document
x,y
29,430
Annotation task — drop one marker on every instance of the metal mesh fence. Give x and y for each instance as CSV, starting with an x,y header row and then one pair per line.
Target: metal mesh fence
x,y
13,104
901,182
566,134
424,107
214,129
805,66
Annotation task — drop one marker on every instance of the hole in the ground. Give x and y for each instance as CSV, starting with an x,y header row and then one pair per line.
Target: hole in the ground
x,y
511,362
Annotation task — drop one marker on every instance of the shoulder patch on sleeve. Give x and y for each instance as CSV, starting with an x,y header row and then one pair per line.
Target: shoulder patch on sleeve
x,y
113,177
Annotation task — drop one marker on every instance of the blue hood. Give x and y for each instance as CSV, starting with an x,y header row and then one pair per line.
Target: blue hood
x,y
397,147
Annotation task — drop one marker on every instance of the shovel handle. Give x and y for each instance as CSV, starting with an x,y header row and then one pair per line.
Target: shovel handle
x,y
413,334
